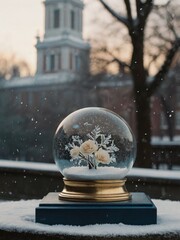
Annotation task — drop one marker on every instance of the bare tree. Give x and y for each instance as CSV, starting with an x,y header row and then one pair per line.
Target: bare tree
x,y
159,46
11,67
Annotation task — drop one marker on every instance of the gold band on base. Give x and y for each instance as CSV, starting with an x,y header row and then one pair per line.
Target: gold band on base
x,y
94,191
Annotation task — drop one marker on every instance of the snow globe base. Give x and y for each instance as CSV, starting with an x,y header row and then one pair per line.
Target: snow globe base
x,y
138,210
94,191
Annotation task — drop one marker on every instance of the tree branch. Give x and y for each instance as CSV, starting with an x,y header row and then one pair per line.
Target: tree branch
x,y
129,14
148,7
153,59
115,14
162,36
159,77
143,10
138,8
121,64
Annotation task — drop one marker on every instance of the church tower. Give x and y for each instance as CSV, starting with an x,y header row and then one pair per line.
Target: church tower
x,y
62,53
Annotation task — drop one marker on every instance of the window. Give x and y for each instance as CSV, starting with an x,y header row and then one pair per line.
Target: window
x,y
52,62
70,61
79,23
44,63
178,95
77,62
163,121
56,18
72,19
49,63
177,119
59,61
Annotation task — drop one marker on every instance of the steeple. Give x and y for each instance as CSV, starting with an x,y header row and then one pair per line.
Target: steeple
x,y
63,49
63,17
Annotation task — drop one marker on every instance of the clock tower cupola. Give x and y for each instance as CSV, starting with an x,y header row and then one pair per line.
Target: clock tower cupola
x,y
63,50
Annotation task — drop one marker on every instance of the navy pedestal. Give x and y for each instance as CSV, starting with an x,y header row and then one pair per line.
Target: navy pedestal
x,y
138,211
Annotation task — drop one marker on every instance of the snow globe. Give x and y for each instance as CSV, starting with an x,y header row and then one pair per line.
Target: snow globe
x,y
94,149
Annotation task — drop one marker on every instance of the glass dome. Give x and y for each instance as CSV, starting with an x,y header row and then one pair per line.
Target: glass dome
x,y
94,144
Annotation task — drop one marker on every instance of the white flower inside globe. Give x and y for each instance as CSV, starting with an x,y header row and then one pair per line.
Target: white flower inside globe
x,y
94,144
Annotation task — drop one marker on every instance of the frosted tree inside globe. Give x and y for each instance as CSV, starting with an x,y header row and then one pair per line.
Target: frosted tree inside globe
x,y
94,144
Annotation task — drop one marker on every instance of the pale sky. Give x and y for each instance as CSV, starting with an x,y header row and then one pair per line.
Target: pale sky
x,y
21,20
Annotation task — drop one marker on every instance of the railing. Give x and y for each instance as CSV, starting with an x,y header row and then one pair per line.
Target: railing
x,y
168,154
24,180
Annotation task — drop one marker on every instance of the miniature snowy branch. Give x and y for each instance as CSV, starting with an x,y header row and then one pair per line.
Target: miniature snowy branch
x,y
99,148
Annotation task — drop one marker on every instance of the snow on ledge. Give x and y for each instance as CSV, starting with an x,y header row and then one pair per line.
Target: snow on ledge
x,y
28,165
51,167
19,216
154,173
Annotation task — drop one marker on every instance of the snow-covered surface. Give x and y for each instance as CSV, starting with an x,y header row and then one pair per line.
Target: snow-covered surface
x,y
65,37
20,215
154,173
17,82
134,172
39,80
100,173
28,165
166,141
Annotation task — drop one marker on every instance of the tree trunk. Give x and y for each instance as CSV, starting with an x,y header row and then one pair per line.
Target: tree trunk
x,y
142,101
143,123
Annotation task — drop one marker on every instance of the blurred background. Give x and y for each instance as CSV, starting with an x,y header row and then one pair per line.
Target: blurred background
x,y
59,56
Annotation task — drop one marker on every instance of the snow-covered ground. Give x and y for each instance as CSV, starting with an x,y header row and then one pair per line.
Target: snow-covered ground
x,y
20,215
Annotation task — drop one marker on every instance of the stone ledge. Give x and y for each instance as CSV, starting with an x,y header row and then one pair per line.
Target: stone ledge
x,y
31,236
26,180
18,222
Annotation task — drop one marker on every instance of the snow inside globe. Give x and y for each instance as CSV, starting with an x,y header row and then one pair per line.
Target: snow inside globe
x,y
94,144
